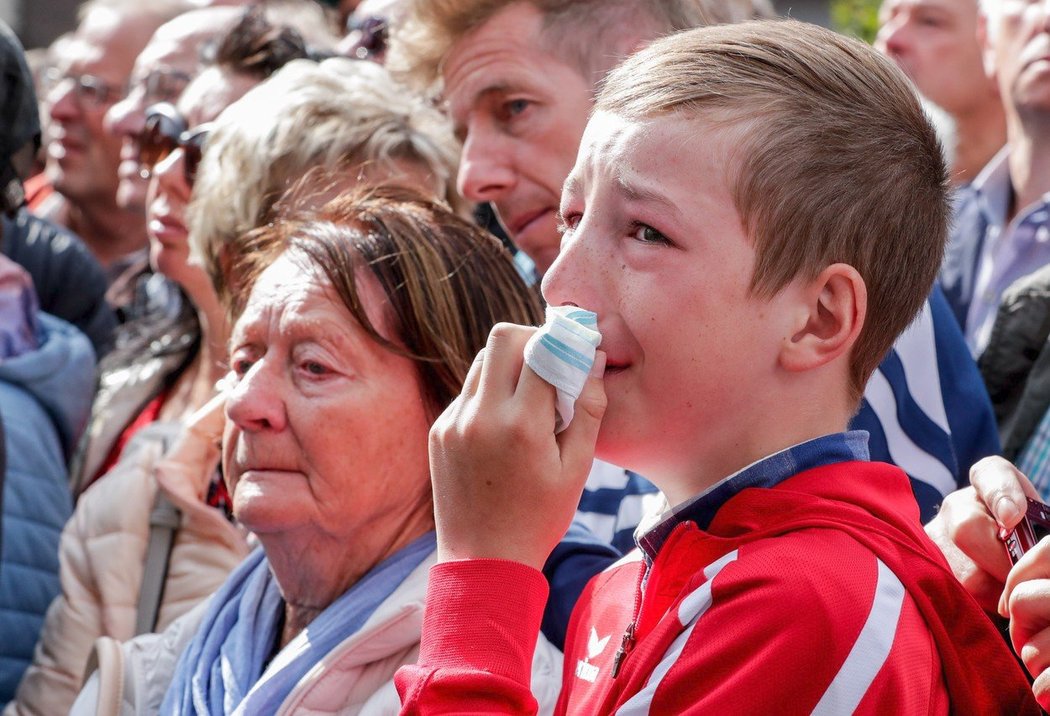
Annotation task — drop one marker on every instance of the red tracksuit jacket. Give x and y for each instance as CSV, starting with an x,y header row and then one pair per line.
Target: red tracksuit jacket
x,y
819,595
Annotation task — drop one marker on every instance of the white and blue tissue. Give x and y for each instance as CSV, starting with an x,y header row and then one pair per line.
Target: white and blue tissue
x,y
562,353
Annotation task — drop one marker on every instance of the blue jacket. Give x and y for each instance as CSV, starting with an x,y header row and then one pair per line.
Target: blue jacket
x,y
45,397
927,409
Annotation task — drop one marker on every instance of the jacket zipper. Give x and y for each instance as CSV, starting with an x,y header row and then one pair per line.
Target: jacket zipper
x,y
627,642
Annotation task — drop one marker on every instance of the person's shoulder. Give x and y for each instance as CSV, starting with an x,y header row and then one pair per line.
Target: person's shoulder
x,y
816,574
1032,287
51,252
31,230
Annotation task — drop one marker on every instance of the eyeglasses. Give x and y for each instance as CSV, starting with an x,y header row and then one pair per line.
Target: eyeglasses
x,y
159,86
371,38
90,90
164,132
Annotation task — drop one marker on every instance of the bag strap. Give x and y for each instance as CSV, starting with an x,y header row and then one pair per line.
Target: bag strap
x,y
107,659
163,524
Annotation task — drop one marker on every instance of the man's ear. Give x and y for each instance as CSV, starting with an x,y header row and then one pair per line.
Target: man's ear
x,y
829,320
985,43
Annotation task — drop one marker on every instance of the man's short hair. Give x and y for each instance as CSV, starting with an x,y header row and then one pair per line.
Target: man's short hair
x,y
593,35
833,159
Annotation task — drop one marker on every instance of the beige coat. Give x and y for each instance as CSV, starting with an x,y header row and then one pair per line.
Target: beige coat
x,y
103,552
356,677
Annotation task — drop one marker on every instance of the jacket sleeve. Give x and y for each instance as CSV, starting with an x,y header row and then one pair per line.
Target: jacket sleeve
x,y
480,628
73,621
99,569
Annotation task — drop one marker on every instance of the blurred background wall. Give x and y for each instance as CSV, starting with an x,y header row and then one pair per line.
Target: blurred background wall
x,y
38,22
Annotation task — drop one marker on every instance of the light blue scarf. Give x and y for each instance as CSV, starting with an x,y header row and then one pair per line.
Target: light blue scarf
x,y
221,671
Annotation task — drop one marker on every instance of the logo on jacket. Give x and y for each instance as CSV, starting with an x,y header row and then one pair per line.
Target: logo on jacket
x,y
595,646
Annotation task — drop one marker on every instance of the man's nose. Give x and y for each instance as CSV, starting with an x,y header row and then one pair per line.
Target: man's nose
x,y
486,172
892,38
62,101
126,118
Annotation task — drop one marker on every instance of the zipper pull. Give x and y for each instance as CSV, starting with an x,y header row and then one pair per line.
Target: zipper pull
x,y
626,644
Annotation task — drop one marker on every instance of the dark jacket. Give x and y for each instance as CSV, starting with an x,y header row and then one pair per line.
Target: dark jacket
x,y
1016,364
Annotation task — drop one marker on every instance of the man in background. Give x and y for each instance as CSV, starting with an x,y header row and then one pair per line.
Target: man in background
x,y
82,157
935,43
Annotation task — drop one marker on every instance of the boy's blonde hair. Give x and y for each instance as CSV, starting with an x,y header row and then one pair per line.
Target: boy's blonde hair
x,y
593,35
835,162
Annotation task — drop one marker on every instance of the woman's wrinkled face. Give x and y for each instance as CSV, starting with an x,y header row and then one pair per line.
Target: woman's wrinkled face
x,y
327,429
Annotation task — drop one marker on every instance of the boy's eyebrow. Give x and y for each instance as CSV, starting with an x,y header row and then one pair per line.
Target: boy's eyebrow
x,y
641,194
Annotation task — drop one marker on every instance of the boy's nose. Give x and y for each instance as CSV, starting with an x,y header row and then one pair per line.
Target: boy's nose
x,y
569,279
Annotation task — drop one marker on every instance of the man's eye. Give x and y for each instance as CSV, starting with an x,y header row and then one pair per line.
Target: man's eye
x,y
648,235
516,106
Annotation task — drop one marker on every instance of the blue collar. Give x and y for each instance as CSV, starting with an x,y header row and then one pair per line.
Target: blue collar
x,y
767,472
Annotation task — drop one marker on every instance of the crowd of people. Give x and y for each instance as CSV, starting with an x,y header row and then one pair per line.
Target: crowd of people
x,y
517,356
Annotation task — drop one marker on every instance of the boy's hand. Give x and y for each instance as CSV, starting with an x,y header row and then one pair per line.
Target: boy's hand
x,y
967,528
1027,597
505,486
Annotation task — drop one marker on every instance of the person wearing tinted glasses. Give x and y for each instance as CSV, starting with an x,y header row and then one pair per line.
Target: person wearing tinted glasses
x,y
162,71
89,78
169,364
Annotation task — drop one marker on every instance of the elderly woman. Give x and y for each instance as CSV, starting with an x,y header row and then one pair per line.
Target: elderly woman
x,y
361,322
164,555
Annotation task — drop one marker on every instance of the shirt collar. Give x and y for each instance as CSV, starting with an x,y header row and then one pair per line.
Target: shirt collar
x,y
993,189
767,472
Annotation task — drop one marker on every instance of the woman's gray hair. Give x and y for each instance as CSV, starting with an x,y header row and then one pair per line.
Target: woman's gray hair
x,y
324,119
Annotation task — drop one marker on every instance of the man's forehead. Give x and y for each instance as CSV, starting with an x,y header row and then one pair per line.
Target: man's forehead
x,y
81,56
476,69
506,52
952,6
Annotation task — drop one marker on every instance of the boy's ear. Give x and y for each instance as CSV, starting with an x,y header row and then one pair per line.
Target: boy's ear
x,y
829,320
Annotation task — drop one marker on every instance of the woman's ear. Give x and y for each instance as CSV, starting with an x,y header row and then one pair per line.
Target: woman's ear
x,y
830,319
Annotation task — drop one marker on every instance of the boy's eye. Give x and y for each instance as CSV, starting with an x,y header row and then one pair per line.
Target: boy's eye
x,y
241,366
567,222
648,235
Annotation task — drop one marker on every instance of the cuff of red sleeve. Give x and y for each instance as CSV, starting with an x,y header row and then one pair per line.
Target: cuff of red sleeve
x,y
483,614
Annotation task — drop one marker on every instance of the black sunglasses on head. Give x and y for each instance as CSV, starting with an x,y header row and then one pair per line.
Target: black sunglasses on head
x,y
373,34
164,132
